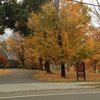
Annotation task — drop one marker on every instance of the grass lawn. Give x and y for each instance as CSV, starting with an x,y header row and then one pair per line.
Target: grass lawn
x,y
70,76
4,72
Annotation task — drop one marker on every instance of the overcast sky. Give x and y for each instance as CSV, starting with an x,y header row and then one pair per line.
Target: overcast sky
x,y
89,1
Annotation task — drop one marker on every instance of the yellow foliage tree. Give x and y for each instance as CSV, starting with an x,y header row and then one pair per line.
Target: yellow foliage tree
x,y
59,34
16,44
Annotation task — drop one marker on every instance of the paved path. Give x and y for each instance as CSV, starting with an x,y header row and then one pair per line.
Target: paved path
x,y
18,76
22,80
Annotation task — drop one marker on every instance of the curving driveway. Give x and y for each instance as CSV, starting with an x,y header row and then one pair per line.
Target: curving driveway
x,y
18,76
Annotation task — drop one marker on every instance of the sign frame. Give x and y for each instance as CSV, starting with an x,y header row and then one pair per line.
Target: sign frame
x,y
80,66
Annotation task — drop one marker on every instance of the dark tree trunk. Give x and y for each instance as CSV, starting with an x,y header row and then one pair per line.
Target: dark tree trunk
x,y
95,65
47,66
41,65
21,55
63,70
23,63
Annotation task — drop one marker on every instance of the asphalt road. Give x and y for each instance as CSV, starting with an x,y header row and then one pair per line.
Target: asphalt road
x,y
63,96
18,76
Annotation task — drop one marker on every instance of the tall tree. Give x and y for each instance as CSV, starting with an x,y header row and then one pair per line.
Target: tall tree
x,y
58,35
16,45
23,48
95,37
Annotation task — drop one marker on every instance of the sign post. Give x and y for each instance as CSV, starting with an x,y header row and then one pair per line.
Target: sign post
x,y
81,70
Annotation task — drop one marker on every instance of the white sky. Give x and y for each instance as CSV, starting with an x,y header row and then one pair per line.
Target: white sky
x,y
89,1
94,21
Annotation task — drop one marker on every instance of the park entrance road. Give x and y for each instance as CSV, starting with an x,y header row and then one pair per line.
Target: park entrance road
x,y
18,76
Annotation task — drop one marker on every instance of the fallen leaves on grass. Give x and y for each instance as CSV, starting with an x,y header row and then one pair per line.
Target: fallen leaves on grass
x,y
4,72
55,76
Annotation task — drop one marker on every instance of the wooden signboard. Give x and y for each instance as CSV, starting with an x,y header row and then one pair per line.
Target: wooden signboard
x,y
81,70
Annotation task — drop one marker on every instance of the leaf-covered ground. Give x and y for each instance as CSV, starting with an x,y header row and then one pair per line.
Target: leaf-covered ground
x,y
4,72
70,76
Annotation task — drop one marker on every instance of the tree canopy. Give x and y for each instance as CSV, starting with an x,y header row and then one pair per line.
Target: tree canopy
x,y
59,34
14,14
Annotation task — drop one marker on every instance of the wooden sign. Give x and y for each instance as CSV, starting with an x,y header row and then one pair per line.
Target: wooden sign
x,y
81,70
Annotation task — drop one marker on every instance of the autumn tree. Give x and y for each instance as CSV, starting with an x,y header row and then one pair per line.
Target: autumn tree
x,y
45,42
16,45
23,48
59,34
32,55
76,29
95,40
96,35
3,60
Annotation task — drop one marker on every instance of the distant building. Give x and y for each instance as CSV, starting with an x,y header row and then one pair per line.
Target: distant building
x,y
12,59
1,38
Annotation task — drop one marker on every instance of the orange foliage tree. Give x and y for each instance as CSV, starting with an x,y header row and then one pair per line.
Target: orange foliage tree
x,y
23,48
3,60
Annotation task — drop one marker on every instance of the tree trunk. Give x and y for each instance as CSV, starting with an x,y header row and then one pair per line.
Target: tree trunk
x,y
95,66
47,66
63,70
23,63
41,65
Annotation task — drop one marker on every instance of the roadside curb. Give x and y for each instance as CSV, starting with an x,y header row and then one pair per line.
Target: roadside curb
x,y
43,86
